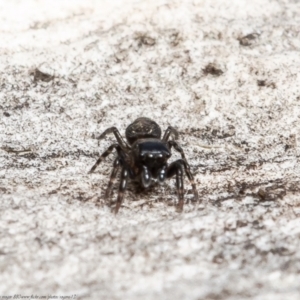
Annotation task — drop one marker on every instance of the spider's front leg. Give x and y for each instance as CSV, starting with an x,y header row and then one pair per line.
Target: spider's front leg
x,y
112,179
122,188
186,167
176,168
105,154
118,136
178,148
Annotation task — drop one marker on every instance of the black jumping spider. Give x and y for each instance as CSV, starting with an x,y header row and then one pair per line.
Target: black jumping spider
x,y
145,157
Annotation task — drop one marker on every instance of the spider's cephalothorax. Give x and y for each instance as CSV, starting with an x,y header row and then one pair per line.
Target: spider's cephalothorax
x,y
145,158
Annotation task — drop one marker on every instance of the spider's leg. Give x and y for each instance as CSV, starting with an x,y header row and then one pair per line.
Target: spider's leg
x,y
191,179
112,178
186,167
103,155
118,136
122,188
170,130
176,168
177,148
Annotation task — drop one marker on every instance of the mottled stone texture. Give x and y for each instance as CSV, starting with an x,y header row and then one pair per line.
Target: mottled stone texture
x,y
225,73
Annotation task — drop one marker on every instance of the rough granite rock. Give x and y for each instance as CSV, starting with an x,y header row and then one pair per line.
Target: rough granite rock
x,y
225,73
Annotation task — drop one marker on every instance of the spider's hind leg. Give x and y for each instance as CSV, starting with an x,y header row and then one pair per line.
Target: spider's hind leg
x,y
117,135
170,130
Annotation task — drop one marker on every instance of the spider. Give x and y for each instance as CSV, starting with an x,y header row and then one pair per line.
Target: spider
x,y
144,158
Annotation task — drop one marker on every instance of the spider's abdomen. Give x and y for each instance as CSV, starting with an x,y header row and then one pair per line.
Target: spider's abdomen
x,y
142,128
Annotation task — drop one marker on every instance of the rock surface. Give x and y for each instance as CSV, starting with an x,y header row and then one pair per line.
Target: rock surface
x,y
225,73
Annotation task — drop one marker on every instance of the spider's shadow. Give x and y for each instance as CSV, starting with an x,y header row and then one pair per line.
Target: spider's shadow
x,y
134,191
155,193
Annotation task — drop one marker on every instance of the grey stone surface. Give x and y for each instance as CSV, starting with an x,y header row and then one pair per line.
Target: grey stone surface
x,y
225,73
